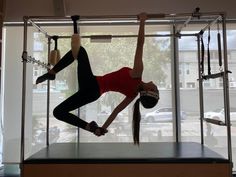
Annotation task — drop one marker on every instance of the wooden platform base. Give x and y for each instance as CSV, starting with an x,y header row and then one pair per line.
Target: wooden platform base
x,y
130,170
125,160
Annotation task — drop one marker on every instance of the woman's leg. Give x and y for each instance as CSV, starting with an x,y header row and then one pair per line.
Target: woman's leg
x,y
66,60
80,98
84,72
85,75
88,92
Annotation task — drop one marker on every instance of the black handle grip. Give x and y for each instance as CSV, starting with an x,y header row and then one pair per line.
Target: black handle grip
x,y
74,19
55,38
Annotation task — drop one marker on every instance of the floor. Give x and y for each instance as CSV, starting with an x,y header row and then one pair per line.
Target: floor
x,y
10,171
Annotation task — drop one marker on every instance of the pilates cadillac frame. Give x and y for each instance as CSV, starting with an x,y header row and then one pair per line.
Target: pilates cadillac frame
x,y
48,162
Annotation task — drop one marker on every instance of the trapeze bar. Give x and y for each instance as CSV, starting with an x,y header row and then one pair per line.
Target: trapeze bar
x,y
216,122
214,76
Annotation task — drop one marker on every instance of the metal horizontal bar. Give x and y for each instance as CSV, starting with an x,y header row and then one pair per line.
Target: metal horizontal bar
x,y
35,19
129,36
214,76
123,17
216,122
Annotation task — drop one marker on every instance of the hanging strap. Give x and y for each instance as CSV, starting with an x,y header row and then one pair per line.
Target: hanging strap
x,y
219,50
202,54
208,51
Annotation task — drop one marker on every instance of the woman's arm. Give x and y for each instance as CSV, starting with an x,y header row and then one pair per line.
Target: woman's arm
x,y
116,111
137,70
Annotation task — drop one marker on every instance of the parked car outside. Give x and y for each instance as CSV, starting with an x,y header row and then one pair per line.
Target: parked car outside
x,y
219,114
162,115
103,115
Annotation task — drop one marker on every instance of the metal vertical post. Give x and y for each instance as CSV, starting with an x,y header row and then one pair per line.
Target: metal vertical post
x,y
201,100
78,112
175,87
226,89
48,96
22,145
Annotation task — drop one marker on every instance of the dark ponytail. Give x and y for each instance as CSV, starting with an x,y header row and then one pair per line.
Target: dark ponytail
x,y
136,122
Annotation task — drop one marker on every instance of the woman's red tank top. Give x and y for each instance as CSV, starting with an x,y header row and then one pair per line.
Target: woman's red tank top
x,y
119,81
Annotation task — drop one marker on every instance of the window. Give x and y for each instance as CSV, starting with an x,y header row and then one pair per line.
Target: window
x,y
180,71
187,69
206,84
190,84
104,58
156,68
187,72
213,96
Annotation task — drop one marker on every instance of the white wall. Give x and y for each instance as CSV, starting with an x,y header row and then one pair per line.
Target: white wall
x,y
12,99
15,10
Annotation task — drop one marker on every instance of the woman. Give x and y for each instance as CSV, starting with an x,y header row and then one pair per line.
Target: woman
x,y
126,81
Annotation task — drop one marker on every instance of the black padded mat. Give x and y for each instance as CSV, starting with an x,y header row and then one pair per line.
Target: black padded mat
x,y
159,152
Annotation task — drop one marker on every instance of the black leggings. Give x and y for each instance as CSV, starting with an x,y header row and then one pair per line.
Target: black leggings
x,y
88,89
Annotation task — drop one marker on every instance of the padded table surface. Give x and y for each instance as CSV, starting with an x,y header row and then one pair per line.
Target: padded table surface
x,y
158,152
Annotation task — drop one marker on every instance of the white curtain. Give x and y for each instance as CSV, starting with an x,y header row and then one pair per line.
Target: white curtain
x,y
12,95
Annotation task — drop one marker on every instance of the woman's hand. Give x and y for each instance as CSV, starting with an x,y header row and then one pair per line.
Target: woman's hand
x,y
100,131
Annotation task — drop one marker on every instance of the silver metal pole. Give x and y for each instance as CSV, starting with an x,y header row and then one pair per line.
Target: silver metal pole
x,y
201,101
128,36
39,28
48,97
124,17
175,88
95,17
210,24
22,145
184,25
226,89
